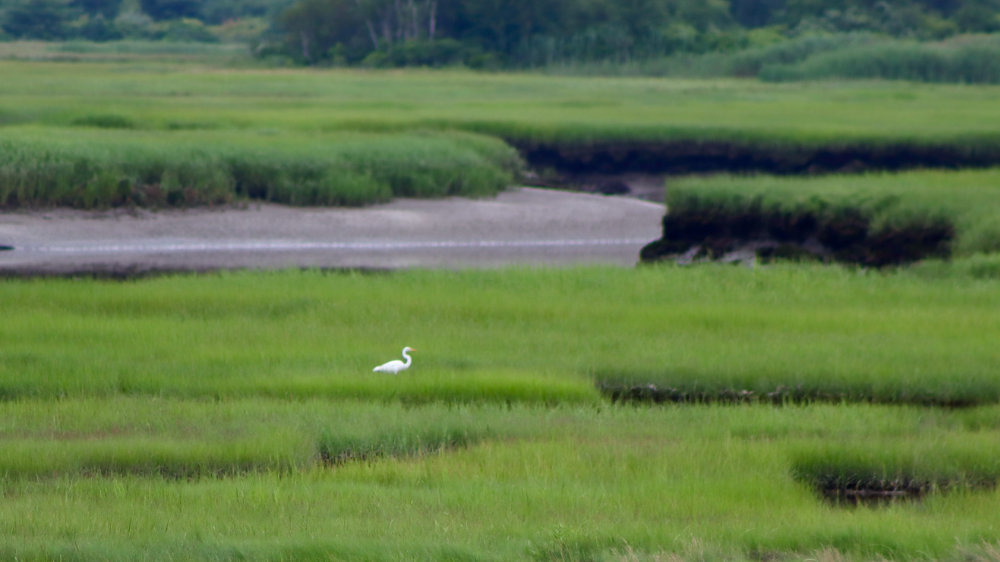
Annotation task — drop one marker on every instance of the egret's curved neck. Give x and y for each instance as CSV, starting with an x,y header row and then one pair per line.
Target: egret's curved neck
x,y
406,355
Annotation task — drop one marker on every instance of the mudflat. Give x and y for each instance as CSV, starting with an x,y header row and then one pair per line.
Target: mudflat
x,y
521,226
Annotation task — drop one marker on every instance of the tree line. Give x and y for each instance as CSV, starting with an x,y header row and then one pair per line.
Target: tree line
x,y
492,33
109,20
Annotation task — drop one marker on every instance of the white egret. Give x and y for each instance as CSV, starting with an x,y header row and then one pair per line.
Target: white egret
x,y
396,366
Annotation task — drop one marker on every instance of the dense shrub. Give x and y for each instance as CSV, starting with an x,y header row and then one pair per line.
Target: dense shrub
x,y
437,53
749,62
975,62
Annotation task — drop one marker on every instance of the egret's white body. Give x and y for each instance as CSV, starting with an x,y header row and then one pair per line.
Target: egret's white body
x,y
396,366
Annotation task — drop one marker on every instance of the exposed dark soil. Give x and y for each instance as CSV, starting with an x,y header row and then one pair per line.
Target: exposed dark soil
x,y
847,237
639,169
654,394
638,185
650,393
136,272
692,156
872,496
876,492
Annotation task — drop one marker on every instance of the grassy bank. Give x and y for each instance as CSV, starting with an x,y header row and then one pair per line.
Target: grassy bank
x,y
98,168
874,219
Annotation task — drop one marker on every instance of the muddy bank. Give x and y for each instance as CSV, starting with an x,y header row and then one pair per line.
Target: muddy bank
x,y
875,490
782,394
673,157
846,237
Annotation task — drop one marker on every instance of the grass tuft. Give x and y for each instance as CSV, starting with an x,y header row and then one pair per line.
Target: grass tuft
x,y
874,470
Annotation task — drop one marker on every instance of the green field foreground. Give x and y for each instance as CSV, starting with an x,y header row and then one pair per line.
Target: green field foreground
x,y
235,415
567,483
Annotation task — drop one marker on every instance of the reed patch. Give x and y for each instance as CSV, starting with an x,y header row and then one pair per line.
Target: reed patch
x,y
97,168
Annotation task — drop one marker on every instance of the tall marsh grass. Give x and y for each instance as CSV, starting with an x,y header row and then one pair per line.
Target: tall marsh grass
x,y
969,59
970,62
96,168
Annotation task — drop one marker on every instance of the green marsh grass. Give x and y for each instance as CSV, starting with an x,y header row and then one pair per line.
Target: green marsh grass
x,y
235,415
573,483
281,133
182,438
514,106
101,168
519,335
978,266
